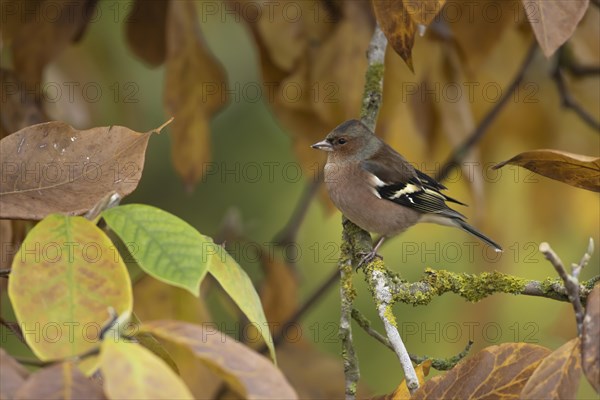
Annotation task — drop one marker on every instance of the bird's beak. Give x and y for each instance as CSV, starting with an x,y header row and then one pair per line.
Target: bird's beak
x,y
323,145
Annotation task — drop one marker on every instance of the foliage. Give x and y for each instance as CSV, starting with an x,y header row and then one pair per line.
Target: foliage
x,y
87,266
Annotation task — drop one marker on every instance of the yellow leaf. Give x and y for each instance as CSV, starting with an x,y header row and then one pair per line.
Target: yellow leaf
x,y
65,277
194,90
132,372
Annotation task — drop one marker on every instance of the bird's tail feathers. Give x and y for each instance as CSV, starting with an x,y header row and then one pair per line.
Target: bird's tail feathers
x,y
475,232
460,223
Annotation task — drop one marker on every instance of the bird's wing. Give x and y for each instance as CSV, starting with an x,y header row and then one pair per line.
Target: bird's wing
x,y
398,181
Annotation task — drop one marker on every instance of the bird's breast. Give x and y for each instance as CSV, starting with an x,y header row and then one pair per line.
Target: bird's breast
x,y
351,191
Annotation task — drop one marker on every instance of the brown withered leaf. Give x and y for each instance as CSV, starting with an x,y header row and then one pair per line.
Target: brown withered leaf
x,y
13,375
400,20
557,376
60,381
554,22
194,90
590,344
574,169
477,32
402,392
247,372
496,371
43,38
145,30
19,108
54,168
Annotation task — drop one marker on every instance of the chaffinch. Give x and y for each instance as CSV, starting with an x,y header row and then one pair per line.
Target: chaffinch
x,y
381,192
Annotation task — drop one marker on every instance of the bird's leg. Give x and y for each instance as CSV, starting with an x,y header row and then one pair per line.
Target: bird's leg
x,y
370,256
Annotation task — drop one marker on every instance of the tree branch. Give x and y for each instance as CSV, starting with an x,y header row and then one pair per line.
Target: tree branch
x,y
437,363
568,101
463,150
571,281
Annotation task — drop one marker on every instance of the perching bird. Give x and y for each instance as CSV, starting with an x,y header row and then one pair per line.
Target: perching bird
x,y
381,192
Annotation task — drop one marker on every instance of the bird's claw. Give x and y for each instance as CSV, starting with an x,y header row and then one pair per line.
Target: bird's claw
x,y
367,258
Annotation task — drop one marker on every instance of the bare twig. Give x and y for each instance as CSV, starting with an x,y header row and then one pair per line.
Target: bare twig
x,y
571,281
439,364
568,101
463,150
5,272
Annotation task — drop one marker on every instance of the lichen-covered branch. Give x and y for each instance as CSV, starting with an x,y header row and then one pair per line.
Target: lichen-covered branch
x,y
441,364
373,92
347,294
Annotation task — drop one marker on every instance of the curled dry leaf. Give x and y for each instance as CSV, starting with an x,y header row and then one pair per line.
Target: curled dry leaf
x,y
12,377
401,19
60,381
554,22
54,168
574,169
248,373
194,90
590,345
145,30
557,376
496,371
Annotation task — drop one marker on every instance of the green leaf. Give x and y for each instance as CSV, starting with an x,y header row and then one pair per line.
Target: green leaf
x,y
64,278
131,371
167,247
239,287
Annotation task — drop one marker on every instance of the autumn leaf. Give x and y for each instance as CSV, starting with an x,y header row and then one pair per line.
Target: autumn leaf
x,y
41,39
132,372
149,342
194,90
64,278
554,22
402,392
248,373
590,346
400,20
496,371
145,30
60,381
12,377
574,169
557,376
477,33
54,168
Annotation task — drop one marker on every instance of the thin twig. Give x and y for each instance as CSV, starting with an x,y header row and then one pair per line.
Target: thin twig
x,y
462,151
571,280
5,272
568,101
440,364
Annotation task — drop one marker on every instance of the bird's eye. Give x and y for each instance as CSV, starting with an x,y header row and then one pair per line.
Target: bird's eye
x,y
341,141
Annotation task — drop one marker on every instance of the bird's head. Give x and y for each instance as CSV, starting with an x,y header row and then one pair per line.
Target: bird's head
x,y
350,139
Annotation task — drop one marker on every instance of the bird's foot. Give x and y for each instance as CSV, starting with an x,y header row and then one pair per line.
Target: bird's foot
x,y
367,258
